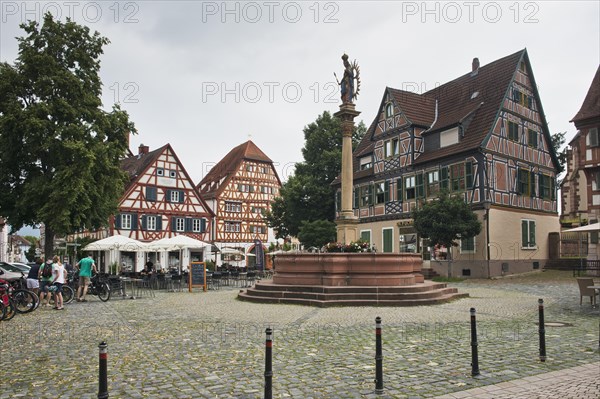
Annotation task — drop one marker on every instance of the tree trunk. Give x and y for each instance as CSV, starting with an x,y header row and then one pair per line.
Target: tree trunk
x,y
48,242
449,249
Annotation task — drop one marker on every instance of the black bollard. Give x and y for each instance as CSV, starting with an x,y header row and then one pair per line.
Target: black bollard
x,y
378,357
474,354
269,365
102,372
542,330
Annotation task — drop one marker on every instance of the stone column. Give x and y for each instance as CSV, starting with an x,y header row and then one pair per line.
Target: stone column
x,y
346,221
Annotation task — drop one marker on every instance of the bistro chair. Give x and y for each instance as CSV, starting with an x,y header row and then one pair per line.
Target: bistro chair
x,y
585,290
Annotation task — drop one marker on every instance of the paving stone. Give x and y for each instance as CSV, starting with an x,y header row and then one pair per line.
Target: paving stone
x,y
207,345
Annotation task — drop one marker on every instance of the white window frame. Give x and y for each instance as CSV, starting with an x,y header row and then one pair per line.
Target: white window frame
x,y
173,173
174,196
126,221
151,223
196,225
160,171
179,224
529,221
462,251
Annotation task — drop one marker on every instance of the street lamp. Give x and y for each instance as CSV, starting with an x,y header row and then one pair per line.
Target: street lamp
x,y
486,205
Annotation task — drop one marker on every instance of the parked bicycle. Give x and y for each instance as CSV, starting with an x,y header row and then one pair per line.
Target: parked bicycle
x,y
16,300
96,287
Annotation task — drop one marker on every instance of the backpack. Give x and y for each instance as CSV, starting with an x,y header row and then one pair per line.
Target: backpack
x,y
47,270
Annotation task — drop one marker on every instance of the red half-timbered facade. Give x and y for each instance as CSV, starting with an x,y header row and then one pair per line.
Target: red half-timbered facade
x,y
482,136
580,189
239,190
161,199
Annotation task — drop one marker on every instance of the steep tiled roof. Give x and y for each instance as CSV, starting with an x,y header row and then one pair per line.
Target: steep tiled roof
x,y
456,104
420,110
230,164
137,164
591,105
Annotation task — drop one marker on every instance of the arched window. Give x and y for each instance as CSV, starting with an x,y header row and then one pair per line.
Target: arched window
x,y
389,110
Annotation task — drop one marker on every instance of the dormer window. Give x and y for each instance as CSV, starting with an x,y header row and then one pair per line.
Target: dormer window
x,y
389,110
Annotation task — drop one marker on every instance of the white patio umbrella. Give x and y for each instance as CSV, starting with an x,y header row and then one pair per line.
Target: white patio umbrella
x,y
178,242
118,242
584,229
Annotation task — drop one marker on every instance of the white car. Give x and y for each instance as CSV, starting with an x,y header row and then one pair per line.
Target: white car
x,y
22,267
9,272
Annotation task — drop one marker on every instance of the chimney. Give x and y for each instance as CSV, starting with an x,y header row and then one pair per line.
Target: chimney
x,y
143,149
475,66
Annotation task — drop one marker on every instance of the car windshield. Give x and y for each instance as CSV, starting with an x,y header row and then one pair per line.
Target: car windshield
x,y
9,267
21,267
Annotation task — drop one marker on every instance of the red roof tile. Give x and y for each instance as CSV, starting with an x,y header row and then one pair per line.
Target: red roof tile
x,y
591,105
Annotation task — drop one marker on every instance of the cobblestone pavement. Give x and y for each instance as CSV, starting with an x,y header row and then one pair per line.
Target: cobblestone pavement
x,y
210,345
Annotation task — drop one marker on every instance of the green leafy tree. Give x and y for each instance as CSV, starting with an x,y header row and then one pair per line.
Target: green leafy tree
x,y
317,233
558,140
307,196
59,150
30,254
446,220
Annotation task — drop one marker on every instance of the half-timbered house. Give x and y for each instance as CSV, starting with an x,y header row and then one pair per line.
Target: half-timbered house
x,y
580,189
159,201
239,190
482,136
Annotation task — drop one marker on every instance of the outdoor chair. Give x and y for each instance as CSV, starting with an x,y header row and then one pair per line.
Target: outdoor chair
x,y
585,290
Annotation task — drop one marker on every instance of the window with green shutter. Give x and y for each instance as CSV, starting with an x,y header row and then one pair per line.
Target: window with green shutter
x,y
469,174
467,245
420,186
365,236
399,189
444,178
528,234
513,131
532,138
388,243
150,193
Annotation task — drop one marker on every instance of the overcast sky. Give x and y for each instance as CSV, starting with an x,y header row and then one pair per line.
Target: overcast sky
x,y
207,76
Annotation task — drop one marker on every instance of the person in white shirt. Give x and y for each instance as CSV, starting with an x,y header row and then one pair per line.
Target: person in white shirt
x,y
59,276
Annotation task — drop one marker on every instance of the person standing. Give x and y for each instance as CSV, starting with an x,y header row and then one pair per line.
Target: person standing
x,y
85,267
33,282
45,275
59,275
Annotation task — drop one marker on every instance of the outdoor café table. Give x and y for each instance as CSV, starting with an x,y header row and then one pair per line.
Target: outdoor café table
x,y
124,282
597,289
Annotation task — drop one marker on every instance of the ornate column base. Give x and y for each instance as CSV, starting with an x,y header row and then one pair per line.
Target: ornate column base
x,y
347,229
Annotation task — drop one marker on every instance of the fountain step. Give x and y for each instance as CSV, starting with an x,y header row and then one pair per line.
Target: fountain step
x,y
426,293
373,301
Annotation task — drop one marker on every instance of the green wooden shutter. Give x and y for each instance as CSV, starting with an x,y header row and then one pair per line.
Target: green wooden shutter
x,y
202,225
420,191
532,184
519,186
144,222
150,193
552,188
181,196
386,191
158,222
444,178
118,221
169,195
399,189
469,174
188,224
356,198
524,234
134,221
173,223
387,240
532,233
365,236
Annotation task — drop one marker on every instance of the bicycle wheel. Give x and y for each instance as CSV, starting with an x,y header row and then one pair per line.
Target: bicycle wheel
x,y
2,310
10,310
68,294
103,292
23,300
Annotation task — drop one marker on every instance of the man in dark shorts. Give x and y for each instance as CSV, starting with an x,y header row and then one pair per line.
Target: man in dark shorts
x,y
85,267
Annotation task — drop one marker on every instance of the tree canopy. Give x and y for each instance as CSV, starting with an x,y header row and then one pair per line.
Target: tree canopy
x,y
446,220
59,150
317,233
307,195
